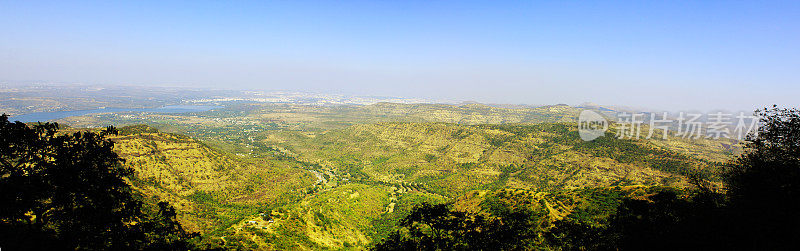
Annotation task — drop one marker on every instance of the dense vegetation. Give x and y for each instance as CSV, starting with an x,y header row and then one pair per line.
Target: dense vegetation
x,y
68,191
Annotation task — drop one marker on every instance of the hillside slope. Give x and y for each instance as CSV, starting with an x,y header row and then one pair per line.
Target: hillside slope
x,y
208,187
449,159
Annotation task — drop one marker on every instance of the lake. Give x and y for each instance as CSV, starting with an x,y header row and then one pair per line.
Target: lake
x,y
47,116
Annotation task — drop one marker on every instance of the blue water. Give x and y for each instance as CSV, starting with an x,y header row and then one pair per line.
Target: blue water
x,y
47,116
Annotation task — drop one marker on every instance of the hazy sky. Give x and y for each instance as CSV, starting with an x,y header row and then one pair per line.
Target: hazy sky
x,y
669,55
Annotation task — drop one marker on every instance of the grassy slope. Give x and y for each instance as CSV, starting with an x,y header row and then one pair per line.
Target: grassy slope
x,y
588,205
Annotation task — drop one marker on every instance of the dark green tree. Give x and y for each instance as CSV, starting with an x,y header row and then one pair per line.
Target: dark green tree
x,y
438,227
575,235
764,183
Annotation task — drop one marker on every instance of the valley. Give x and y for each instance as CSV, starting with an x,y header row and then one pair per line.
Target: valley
x,y
295,176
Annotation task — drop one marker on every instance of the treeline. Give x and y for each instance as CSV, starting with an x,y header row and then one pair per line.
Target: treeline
x,y
759,209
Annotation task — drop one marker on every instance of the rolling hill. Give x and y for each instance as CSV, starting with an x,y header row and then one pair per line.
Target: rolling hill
x,y
300,177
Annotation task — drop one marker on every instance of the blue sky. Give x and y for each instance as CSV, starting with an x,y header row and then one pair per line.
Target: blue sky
x,y
666,54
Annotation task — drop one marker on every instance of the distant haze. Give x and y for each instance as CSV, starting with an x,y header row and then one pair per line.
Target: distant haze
x,y
676,56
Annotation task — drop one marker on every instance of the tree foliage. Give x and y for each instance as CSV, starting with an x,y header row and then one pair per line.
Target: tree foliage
x,y
764,182
439,227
